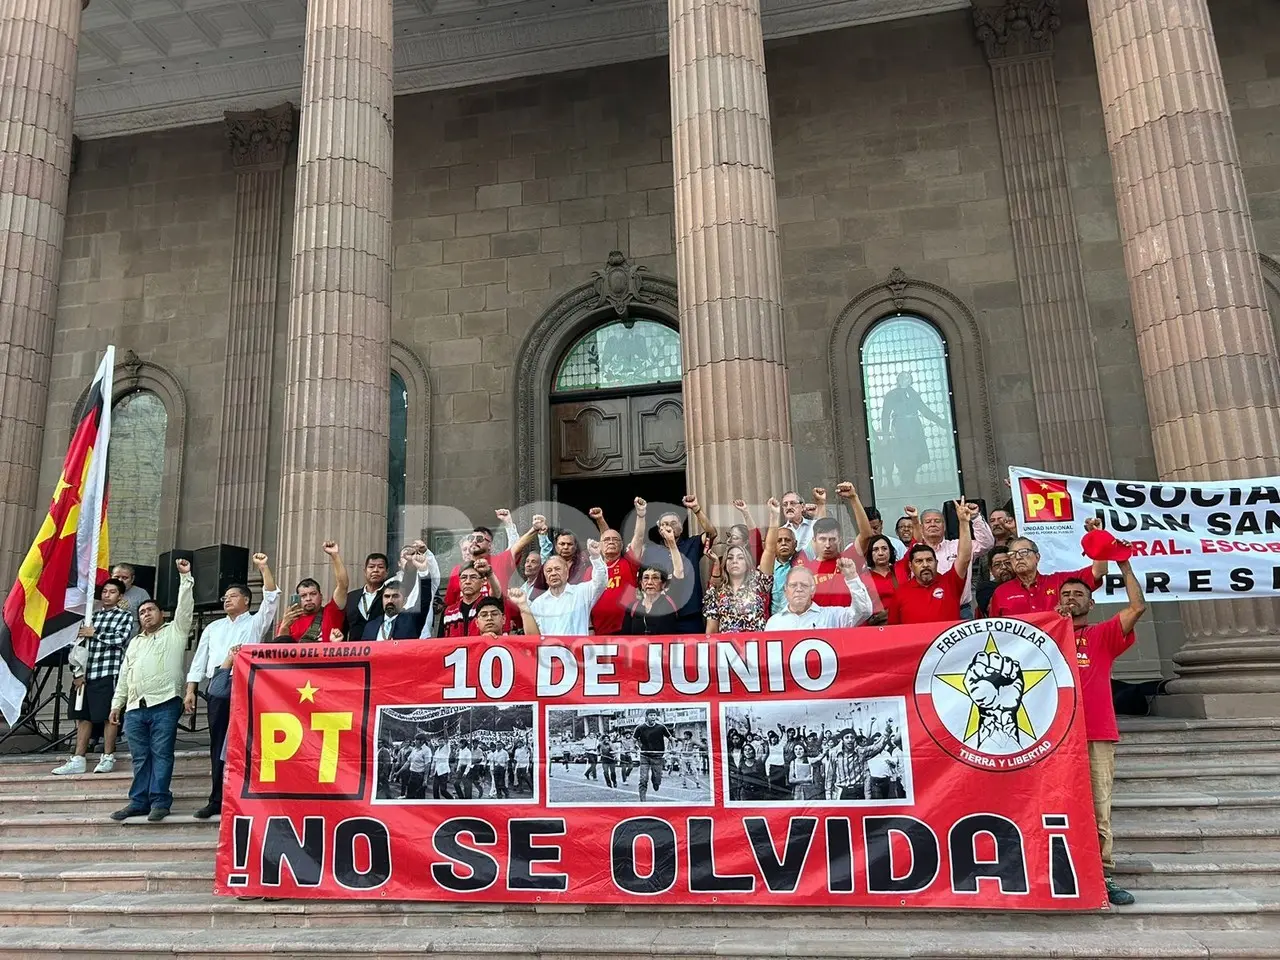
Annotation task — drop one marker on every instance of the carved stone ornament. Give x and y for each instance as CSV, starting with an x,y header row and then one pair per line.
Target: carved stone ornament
x,y
1017,28
260,138
619,284
897,283
132,364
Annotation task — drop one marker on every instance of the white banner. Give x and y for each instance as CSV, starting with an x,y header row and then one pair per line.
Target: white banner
x,y
1192,541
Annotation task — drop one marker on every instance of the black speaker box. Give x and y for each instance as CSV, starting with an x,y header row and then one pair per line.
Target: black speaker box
x,y
215,569
145,577
166,577
953,522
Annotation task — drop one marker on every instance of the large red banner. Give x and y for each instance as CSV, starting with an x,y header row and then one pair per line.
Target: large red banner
x,y
933,766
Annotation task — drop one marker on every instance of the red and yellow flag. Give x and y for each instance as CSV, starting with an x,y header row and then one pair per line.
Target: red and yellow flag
x,y
56,582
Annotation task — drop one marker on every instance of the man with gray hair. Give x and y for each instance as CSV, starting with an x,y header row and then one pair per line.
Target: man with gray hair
x,y
934,532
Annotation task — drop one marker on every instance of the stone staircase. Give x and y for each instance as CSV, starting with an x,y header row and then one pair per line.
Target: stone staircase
x,y
1197,824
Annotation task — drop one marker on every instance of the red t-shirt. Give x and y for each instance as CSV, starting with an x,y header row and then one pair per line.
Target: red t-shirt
x,y
831,590
882,588
330,616
1097,646
619,593
503,566
913,602
458,623
1012,599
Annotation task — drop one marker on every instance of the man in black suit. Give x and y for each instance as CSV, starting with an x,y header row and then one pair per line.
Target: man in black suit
x,y
365,605
396,620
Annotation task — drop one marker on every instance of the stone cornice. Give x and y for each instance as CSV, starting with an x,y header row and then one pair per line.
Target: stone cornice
x,y
191,90
1017,28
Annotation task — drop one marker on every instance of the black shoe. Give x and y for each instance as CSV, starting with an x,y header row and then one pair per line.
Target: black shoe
x,y
208,810
124,813
1118,896
157,814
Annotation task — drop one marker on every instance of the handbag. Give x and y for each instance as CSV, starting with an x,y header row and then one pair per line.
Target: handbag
x,y
219,685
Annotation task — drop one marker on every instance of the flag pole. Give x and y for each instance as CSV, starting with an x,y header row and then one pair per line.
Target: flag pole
x,y
100,463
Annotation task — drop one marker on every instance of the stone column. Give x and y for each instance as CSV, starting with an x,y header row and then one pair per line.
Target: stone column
x,y
1018,39
1206,345
259,142
334,474
38,41
737,410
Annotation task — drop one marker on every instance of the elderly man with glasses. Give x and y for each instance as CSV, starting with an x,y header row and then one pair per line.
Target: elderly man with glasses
x,y
802,613
1032,591
218,640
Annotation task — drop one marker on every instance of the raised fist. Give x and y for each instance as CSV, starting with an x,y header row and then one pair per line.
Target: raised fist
x,y
910,512
1093,523
539,523
819,495
740,506
519,598
481,565
845,491
335,635
995,685
595,513
775,508
421,560
848,569
593,548
259,560
184,566
504,516
641,506
690,502
330,547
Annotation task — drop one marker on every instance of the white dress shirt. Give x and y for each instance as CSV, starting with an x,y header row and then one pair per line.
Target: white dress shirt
x,y
803,532
946,551
569,614
220,636
442,757
827,618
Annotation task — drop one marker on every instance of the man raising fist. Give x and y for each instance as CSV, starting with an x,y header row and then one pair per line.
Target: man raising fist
x,y
309,622
237,628
930,596
150,688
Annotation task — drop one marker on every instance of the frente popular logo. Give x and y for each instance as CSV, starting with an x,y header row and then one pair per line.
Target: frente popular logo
x,y
995,694
1045,500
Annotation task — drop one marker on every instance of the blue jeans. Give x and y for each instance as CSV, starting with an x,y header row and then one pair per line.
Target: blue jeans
x,y
152,733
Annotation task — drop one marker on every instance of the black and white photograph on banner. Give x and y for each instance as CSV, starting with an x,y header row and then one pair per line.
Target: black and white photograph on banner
x,y
815,752
630,754
434,753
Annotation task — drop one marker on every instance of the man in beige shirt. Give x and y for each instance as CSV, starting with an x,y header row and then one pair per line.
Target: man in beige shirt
x,y
150,690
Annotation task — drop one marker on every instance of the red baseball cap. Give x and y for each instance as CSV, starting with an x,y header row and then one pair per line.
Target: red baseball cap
x,y
1100,545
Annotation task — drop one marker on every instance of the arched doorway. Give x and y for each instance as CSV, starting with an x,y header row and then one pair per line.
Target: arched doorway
x,y
601,418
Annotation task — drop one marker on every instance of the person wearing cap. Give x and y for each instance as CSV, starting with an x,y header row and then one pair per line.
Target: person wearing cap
x,y
1097,647
1033,591
847,763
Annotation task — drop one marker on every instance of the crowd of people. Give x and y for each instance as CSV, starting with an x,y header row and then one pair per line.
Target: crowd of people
x,y
800,571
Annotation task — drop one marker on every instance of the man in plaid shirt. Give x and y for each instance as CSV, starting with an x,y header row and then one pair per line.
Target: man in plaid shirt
x,y
94,677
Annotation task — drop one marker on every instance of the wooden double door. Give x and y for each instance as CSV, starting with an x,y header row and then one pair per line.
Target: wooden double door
x,y
606,450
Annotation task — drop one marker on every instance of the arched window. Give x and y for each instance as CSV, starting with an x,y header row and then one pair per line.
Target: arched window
x,y
626,353
135,471
911,432
398,461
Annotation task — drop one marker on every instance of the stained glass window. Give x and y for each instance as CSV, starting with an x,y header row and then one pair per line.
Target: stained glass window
x,y
135,471
628,353
398,461
906,386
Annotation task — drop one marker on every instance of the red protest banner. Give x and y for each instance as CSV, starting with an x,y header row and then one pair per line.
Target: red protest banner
x,y
930,766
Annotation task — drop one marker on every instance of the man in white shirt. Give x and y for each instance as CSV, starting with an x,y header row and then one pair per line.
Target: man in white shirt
x,y
419,758
462,775
440,785
524,772
564,610
803,614
499,760
237,628
801,527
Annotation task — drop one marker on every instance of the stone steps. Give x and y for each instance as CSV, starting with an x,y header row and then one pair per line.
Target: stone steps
x,y
1191,836
119,779
1176,730
106,876
1156,777
97,802
1212,807
66,851
738,943
1198,871
60,827
1211,750
1157,909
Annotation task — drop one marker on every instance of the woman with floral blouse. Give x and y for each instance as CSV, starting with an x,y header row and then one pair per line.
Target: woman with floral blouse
x,y
739,602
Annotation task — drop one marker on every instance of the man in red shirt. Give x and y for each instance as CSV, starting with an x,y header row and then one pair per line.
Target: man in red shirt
x,y
928,596
307,621
1097,647
1031,591
475,583
479,544
831,590
620,591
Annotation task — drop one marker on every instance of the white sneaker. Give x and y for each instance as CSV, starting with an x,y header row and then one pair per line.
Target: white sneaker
x,y
74,765
106,764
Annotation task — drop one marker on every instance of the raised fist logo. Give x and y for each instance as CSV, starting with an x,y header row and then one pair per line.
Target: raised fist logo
x,y
995,684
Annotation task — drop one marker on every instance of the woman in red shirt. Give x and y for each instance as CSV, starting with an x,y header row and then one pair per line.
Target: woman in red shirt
x,y
882,574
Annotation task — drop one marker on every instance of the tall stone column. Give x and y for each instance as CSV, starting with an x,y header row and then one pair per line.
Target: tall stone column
x,y
1206,345
737,410
334,476
1018,39
259,142
38,41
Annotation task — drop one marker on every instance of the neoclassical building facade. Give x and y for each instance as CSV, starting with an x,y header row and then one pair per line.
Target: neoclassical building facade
x,y
357,257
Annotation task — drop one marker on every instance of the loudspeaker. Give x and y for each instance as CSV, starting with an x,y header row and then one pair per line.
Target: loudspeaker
x,y
215,569
952,521
166,577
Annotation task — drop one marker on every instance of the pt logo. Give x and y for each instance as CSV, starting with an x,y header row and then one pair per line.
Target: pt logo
x,y
1045,500
307,726
995,694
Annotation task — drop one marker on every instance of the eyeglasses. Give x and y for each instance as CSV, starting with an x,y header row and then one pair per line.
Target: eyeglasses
x,y
791,503
1022,554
